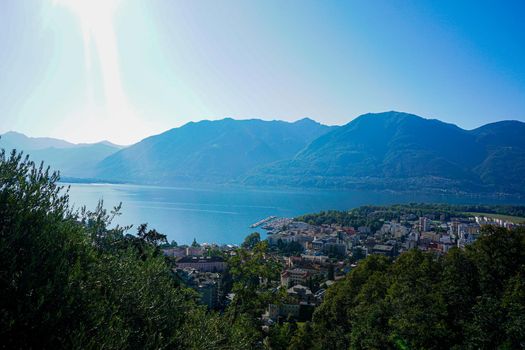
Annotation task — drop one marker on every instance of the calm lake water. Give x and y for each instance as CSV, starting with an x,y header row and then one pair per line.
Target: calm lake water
x,y
223,215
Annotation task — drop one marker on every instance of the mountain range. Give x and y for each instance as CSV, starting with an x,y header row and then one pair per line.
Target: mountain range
x,y
210,151
390,150
73,160
396,150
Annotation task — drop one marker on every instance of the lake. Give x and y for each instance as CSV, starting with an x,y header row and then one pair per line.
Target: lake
x,y
224,214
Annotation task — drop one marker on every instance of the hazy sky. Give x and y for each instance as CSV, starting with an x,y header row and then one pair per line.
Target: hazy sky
x,y
122,70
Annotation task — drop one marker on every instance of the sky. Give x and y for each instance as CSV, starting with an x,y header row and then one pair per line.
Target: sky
x,y
122,70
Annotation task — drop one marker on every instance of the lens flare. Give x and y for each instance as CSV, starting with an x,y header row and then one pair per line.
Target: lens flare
x,y
96,19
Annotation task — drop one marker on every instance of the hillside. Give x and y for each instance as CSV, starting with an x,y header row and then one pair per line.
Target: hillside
x,y
209,151
398,150
78,162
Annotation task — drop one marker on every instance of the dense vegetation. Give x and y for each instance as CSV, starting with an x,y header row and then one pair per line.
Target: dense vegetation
x,y
71,279
468,299
370,215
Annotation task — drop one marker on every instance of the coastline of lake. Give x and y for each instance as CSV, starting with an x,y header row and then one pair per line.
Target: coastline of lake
x,y
223,214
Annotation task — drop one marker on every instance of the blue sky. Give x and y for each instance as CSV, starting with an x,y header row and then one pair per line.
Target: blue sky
x,y
125,69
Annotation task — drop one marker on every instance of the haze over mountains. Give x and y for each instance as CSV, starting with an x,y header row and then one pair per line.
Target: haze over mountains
x,y
210,151
390,150
73,160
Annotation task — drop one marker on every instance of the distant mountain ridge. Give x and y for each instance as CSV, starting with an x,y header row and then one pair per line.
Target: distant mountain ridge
x,y
395,150
13,139
390,150
219,151
73,160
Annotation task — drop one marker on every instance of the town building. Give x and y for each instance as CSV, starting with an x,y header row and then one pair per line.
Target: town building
x,y
207,284
203,264
424,224
292,277
382,249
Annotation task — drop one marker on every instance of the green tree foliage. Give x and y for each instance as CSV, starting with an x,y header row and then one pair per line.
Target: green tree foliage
x,y
151,236
289,248
252,271
251,240
214,252
302,339
417,307
280,336
70,279
253,274
370,215
346,307
469,298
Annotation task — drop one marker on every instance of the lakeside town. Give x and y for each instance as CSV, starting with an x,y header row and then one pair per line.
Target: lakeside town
x,y
313,256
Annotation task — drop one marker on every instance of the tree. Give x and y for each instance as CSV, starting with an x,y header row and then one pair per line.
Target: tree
x,y
418,308
460,288
303,338
289,248
151,236
252,271
69,280
280,335
331,272
469,298
251,240
513,302
332,320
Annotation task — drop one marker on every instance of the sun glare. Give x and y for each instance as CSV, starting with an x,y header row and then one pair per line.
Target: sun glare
x,y
96,19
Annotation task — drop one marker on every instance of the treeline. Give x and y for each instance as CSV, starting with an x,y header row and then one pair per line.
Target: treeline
x,y
370,215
